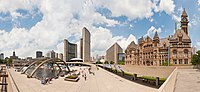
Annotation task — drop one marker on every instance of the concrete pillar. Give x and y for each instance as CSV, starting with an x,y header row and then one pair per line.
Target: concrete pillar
x,y
134,76
157,81
122,73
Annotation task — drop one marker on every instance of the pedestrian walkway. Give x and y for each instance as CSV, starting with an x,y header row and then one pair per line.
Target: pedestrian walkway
x,y
188,80
102,81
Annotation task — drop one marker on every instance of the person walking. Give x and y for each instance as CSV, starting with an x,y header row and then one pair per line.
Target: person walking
x,y
85,77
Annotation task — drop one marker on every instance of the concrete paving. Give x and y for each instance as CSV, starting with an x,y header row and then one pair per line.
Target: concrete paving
x,y
102,81
188,80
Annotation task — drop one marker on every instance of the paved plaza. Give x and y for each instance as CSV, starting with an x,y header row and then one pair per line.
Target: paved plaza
x,y
188,80
102,81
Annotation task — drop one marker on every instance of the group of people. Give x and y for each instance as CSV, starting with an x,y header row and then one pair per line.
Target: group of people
x,y
46,80
83,72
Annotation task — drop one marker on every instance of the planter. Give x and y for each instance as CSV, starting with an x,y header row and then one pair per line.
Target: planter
x,y
73,80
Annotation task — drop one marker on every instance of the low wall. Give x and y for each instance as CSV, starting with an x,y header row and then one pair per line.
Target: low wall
x,y
13,87
169,84
154,71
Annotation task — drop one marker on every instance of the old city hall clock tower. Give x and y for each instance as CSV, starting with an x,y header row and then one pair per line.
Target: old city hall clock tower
x,y
184,22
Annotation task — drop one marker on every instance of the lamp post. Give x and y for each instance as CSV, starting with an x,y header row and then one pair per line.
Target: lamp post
x,y
168,54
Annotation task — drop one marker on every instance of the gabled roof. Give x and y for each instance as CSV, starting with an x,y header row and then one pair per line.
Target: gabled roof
x,y
180,33
148,39
164,41
132,45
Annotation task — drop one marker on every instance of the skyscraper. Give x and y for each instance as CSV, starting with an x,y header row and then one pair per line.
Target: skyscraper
x,y
85,45
38,54
1,56
51,54
70,50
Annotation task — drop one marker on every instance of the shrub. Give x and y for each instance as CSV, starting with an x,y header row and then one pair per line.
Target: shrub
x,y
111,62
152,78
106,62
98,62
121,63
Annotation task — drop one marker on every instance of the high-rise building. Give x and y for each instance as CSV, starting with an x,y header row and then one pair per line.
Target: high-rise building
x,y
51,54
60,56
39,54
113,52
70,50
1,56
85,45
56,56
174,50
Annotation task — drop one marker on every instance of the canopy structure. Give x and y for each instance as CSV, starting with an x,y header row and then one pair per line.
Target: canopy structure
x,y
48,67
76,60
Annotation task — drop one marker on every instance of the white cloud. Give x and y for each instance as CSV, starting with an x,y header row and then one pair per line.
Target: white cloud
x,y
65,18
176,18
151,31
198,2
58,22
164,5
195,21
100,45
131,8
167,6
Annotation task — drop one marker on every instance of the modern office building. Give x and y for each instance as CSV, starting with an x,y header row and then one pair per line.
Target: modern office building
x,y
70,50
85,45
175,49
39,54
112,54
1,56
51,54
121,57
56,56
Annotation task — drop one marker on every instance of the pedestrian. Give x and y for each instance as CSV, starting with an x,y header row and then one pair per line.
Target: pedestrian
x,y
85,77
49,79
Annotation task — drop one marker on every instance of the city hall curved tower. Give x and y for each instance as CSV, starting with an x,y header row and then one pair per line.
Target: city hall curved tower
x,y
85,45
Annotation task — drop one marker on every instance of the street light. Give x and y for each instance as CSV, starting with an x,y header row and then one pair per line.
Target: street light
x,y
168,54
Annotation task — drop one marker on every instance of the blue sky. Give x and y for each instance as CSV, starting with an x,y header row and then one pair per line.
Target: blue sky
x,y
27,26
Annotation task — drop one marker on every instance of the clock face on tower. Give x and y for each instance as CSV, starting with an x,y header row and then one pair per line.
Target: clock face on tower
x,y
184,19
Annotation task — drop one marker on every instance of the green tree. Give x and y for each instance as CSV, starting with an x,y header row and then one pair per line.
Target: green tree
x,y
106,62
121,63
9,61
196,58
165,63
98,62
111,62
1,61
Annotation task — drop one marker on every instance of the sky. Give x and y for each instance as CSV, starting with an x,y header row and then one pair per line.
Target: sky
x,y
30,25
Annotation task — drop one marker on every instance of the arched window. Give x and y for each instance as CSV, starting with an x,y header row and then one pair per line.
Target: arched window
x,y
186,52
174,53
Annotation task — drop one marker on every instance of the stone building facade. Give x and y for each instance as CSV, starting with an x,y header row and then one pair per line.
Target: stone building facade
x,y
175,49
